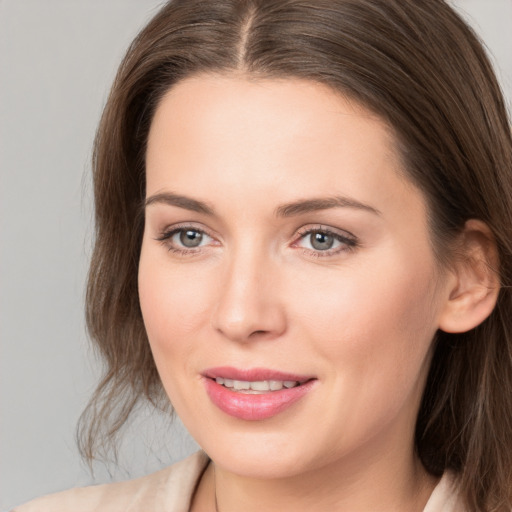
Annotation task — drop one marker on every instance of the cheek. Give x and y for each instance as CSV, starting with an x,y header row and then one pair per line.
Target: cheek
x,y
375,324
374,330
168,305
173,312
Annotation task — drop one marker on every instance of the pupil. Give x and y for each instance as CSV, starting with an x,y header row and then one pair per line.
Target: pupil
x,y
321,241
190,238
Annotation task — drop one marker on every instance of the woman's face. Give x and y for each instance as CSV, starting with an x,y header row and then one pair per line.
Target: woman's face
x,y
283,246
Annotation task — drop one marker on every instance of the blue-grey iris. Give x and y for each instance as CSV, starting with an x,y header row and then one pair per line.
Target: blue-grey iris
x,y
321,241
191,238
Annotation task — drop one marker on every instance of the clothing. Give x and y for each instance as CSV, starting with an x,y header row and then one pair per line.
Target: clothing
x,y
171,490
168,490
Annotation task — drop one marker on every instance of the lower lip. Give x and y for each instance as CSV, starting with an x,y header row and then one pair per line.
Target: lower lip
x,y
254,407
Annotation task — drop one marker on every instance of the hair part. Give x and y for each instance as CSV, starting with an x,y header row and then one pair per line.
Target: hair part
x,y
419,67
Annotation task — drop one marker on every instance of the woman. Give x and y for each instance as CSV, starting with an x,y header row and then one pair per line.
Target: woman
x,y
304,215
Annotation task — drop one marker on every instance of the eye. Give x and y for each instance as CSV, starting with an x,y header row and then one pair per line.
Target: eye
x,y
323,240
185,239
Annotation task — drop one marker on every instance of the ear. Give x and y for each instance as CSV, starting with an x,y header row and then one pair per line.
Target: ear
x,y
474,283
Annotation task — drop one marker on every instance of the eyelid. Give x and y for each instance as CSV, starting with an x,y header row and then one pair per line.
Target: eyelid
x,y
326,229
169,230
196,226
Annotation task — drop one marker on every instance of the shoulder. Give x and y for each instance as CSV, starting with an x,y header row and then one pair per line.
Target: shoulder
x,y
170,489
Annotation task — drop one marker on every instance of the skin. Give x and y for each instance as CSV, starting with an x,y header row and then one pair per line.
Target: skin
x,y
256,293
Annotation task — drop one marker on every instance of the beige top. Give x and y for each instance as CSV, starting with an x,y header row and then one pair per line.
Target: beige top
x,y
171,490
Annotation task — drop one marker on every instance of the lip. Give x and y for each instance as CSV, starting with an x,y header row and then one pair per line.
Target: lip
x,y
253,374
254,407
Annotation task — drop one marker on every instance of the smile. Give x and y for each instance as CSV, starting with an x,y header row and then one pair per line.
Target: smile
x,y
254,395
258,386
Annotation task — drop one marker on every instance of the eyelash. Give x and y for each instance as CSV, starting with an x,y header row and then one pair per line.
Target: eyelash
x,y
349,242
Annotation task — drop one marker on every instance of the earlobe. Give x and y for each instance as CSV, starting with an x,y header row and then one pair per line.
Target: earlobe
x,y
474,285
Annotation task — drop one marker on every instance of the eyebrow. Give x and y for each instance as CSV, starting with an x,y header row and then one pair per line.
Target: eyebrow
x,y
181,202
322,203
292,209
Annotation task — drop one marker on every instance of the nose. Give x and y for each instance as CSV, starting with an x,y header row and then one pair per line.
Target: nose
x,y
249,305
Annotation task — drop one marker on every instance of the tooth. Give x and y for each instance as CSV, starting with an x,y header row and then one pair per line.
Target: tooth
x,y
241,384
276,385
257,386
261,385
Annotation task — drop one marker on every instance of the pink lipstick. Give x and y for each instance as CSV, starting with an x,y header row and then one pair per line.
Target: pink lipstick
x,y
255,394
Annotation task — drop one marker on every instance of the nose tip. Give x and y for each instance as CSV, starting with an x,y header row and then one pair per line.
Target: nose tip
x,y
249,307
246,329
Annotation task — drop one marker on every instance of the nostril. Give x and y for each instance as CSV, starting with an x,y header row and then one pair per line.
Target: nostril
x,y
260,334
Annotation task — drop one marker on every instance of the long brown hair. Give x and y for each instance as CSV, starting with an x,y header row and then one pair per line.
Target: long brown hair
x,y
417,65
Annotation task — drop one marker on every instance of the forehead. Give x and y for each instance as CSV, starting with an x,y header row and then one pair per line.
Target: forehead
x,y
265,123
265,103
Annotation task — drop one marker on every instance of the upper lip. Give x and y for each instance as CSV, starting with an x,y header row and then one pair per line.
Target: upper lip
x,y
253,374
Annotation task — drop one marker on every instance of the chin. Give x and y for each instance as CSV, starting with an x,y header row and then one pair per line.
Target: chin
x,y
262,455
254,465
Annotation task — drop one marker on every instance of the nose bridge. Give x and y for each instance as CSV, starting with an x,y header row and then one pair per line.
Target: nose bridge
x,y
248,305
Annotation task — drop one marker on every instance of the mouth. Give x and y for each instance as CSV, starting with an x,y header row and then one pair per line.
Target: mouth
x,y
255,394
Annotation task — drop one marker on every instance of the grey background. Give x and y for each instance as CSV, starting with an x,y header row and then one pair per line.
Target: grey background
x,y
57,60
